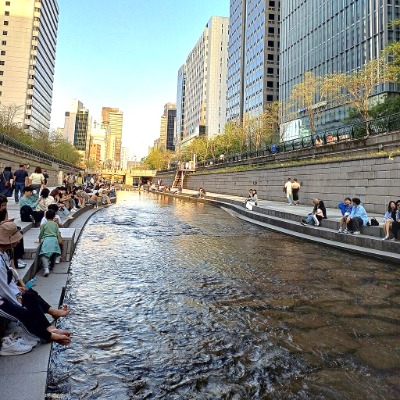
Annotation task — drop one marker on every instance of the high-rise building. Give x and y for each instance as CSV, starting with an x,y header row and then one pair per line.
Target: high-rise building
x,y
82,131
112,122
167,127
70,120
97,143
203,111
328,36
180,131
27,60
253,60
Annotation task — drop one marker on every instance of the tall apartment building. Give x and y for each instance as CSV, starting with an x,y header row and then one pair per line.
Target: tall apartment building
x,y
253,57
328,36
27,60
203,111
180,130
112,122
167,127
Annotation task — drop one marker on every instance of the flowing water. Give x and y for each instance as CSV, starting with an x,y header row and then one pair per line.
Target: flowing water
x,y
178,300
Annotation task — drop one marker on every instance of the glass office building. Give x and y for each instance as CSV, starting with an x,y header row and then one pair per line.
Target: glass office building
x,y
253,57
332,36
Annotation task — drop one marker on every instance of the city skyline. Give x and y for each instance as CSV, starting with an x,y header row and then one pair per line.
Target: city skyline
x,y
100,63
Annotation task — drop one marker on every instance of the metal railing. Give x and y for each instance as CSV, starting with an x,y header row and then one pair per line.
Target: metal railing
x,y
15,144
357,130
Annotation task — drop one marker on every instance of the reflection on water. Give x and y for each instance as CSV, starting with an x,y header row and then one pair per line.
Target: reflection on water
x,y
177,300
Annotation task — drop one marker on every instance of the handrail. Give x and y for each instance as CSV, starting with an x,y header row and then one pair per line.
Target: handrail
x,y
357,130
9,141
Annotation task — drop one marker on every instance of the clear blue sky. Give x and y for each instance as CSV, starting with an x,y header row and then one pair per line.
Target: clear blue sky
x,y
126,54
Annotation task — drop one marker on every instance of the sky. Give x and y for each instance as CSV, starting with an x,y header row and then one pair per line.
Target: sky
x,y
126,54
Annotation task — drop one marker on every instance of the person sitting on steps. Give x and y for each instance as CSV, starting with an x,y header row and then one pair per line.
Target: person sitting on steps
x,y
317,215
345,208
357,218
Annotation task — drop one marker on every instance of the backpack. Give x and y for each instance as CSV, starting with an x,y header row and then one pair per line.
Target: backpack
x,y
71,179
26,213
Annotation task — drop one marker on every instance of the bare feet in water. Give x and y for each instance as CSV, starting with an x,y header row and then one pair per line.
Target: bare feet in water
x,y
53,329
62,312
61,339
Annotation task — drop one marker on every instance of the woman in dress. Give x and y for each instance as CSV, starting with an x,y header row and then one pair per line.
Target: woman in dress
x,y
388,219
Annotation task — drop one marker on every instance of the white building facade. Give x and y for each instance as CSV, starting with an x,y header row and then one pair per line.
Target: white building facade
x,y
27,60
202,108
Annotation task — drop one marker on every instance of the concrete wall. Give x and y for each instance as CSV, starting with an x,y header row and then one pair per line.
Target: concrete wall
x,y
13,158
375,181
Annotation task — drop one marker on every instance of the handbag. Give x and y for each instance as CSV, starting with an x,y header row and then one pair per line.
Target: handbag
x,y
374,222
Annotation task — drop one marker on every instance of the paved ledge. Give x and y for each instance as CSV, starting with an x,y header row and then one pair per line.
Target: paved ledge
x,y
25,376
281,217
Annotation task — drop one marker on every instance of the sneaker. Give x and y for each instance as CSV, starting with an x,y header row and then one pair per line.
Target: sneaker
x,y
303,222
32,218
356,233
46,272
385,238
70,217
340,230
345,231
13,348
23,339
58,260
22,262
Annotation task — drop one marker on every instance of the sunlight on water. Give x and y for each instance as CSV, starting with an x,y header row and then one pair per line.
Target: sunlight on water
x,y
177,300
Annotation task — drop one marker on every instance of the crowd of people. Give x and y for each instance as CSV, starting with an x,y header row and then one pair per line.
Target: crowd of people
x,y
44,207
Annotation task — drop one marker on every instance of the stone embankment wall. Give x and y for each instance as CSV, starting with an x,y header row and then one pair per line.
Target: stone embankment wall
x,y
358,168
13,158
375,181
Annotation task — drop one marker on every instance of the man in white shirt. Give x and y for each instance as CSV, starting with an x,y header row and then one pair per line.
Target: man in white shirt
x,y
288,190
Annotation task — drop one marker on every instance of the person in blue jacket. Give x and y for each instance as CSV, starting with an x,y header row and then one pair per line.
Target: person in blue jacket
x,y
345,207
357,218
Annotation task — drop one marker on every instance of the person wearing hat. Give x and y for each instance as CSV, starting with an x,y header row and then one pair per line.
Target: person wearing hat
x,y
22,305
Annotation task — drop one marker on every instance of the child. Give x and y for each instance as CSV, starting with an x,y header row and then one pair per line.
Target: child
x,y
50,239
345,207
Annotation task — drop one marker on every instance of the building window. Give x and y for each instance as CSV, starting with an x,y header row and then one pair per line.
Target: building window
x,y
5,33
8,3
5,22
3,53
1,83
3,42
7,13
270,84
1,72
270,97
2,62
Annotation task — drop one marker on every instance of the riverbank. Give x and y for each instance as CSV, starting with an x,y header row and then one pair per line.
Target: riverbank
x,y
281,217
25,376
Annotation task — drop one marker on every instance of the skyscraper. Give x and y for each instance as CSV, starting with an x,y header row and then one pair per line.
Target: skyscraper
x,y
328,36
253,57
27,60
112,122
70,120
180,131
203,77
167,127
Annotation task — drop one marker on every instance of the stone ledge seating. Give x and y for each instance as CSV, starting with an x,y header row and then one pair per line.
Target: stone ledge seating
x,y
288,217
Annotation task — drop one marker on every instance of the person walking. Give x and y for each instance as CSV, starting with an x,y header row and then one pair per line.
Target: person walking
x,y
6,182
36,180
288,190
20,181
295,190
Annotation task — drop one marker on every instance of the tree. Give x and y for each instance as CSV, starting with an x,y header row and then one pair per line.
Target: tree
x,y
304,96
360,84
